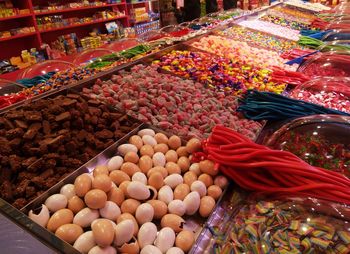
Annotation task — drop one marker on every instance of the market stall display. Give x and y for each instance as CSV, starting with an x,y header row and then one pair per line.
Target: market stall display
x,y
179,106
218,73
137,199
44,141
216,96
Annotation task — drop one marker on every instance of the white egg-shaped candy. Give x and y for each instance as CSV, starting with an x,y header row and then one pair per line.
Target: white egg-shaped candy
x,y
56,202
110,211
115,163
147,234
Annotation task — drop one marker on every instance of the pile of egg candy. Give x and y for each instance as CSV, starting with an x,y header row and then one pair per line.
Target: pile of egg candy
x,y
150,182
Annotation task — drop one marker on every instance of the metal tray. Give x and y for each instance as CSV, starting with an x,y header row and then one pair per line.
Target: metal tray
x,y
200,226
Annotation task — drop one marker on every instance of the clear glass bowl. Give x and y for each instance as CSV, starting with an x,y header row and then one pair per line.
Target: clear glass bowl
x,y
331,93
337,35
321,140
90,55
45,67
326,65
7,87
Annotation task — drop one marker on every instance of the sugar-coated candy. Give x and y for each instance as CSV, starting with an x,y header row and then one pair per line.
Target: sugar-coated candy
x,y
180,106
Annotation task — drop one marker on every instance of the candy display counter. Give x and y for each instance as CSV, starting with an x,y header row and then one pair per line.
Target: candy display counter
x,y
126,154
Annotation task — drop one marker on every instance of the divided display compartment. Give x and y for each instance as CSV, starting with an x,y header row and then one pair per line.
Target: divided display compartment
x,y
55,90
194,223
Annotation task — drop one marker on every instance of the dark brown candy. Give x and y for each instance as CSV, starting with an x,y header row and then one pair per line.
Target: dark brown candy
x,y
44,141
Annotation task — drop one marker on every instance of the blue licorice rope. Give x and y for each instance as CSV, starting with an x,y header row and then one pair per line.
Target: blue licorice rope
x,y
29,82
314,33
258,106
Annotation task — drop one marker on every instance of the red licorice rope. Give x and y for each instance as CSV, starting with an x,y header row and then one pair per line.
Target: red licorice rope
x,y
289,77
295,53
258,168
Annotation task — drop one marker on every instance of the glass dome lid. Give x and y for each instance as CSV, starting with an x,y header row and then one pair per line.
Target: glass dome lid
x,y
90,55
328,92
321,140
326,65
7,87
46,67
337,35
336,47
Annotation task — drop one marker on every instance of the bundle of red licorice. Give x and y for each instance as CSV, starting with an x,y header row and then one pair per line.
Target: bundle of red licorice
x,y
290,77
295,53
271,172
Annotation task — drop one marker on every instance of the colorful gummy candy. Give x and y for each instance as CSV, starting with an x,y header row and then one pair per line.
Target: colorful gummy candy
x,y
283,227
245,54
218,73
271,28
260,39
176,105
282,21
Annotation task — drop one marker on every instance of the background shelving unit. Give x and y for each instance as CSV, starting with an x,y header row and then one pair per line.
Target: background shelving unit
x,y
149,5
15,44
